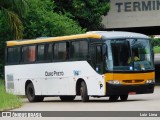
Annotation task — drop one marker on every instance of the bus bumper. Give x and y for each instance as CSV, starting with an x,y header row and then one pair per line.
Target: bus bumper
x,y
129,89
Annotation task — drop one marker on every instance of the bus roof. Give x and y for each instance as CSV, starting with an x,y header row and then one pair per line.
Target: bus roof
x,y
92,34
119,34
51,39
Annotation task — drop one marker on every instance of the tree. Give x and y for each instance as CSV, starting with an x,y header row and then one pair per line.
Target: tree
x,y
87,12
11,27
41,21
13,11
38,21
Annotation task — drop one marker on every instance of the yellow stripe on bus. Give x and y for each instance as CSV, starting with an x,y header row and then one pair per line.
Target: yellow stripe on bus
x,y
52,39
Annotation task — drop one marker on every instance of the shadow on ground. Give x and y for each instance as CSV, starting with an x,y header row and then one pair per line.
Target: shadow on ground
x,y
91,101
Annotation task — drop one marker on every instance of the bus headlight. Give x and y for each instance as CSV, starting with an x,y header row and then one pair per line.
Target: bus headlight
x,y
149,81
114,82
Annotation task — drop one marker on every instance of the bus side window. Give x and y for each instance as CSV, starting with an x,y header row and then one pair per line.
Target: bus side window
x,y
79,49
55,51
28,54
48,51
60,52
67,50
32,55
75,49
99,59
40,53
13,55
92,56
83,51
44,52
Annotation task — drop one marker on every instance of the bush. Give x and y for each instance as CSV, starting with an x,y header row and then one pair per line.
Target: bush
x,y
8,101
1,70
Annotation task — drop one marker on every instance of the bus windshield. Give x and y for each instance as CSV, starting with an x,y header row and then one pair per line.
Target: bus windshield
x,y
129,55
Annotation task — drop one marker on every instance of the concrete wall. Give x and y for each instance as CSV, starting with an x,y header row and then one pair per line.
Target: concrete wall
x,y
133,13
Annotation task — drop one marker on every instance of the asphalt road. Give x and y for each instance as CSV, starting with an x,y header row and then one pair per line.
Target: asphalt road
x,y
157,58
144,102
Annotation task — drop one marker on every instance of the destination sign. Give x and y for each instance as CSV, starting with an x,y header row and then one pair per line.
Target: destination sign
x,y
132,14
133,6
54,73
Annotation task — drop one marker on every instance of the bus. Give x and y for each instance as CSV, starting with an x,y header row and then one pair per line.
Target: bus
x,y
93,64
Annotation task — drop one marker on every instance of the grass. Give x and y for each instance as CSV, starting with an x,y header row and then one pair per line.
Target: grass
x,y
8,101
156,49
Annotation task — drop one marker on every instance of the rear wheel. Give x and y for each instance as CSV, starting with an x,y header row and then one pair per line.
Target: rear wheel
x,y
67,98
123,97
30,93
84,92
113,98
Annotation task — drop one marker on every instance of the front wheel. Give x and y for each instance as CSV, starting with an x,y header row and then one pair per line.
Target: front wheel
x,y
123,97
84,92
30,93
113,98
67,98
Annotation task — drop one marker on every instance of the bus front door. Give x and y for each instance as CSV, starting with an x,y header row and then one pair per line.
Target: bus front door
x,y
96,55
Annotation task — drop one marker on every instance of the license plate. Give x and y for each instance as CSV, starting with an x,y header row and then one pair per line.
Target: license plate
x,y
132,93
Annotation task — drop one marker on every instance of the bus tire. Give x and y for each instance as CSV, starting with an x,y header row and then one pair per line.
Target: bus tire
x,y
67,98
84,92
123,97
30,93
39,98
113,98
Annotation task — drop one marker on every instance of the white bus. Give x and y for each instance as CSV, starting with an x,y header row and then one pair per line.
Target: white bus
x,y
94,64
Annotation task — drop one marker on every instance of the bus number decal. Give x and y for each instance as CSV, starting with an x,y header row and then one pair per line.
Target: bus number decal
x,y
76,72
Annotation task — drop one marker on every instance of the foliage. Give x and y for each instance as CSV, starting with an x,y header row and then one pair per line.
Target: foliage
x,y
156,44
5,34
156,49
8,101
40,21
1,69
87,12
13,11
155,41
